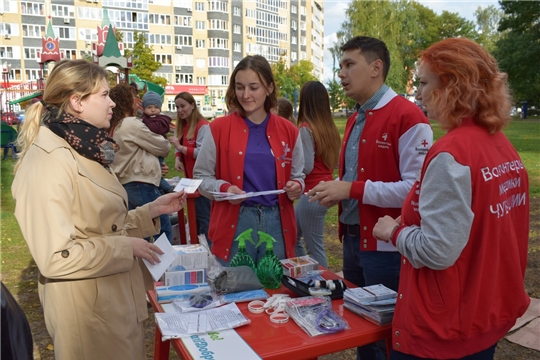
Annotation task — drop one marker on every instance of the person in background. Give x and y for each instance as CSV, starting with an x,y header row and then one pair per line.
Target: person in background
x,y
285,109
136,162
190,130
158,123
384,145
74,216
321,142
464,227
251,150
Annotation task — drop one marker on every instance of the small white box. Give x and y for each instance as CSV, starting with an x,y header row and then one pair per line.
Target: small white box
x,y
189,257
297,266
185,277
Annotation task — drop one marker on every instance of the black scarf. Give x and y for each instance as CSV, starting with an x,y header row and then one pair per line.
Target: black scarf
x,y
85,138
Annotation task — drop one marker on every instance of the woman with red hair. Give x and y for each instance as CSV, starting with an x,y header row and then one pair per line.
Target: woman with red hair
x,y
464,227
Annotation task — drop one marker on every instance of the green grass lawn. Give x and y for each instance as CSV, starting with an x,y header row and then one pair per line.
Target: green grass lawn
x,y
16,260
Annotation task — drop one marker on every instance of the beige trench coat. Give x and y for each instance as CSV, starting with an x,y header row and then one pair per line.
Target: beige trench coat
x,y
73,215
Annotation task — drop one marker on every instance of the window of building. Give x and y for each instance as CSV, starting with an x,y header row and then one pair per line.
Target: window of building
x,y
216,24
63,11
199,25
159,19
294,9
184,40
89,13
34,31
6,52
31,53
33,74
65,33
294,56
184,78
294,24
218,43
237,47
199,6
237,11
32,8
164,59
218,61
237,29
218,6
199,44
201,80
183,59
69,54
293,39
184,21
200,63
159,39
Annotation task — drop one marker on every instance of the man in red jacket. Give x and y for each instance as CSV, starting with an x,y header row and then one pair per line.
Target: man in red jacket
x,y
383,149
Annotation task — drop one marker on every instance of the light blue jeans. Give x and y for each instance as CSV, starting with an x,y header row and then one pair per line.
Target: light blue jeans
x,y
259,218
310,225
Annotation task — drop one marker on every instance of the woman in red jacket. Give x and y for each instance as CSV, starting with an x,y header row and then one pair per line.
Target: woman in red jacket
x,y
321,143
464,227
251,150
190,129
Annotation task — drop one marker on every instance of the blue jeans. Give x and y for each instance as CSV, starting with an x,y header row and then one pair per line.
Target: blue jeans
x,y
258,218
202,214
364,268
487,354
164,186
141,194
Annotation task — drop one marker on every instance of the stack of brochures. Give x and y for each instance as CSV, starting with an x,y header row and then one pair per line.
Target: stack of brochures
x,y
375,303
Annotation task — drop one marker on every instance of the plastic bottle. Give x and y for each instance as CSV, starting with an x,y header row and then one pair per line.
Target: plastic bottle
x,y
269,269
242,258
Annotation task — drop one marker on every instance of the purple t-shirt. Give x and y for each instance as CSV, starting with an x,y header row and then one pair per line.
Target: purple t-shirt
x,y
259,165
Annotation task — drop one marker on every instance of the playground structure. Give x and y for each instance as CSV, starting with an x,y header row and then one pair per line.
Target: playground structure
x,y
106,52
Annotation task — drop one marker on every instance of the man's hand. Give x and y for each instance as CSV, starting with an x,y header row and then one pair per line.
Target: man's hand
x,y
329,193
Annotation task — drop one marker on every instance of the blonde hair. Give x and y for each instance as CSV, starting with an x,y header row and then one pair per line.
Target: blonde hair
x,y
69,77
193,118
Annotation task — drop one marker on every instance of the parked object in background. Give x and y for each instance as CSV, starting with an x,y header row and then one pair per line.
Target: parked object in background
x,y
207,112
10,117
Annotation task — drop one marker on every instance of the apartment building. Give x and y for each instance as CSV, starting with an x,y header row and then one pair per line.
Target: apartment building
x,y
197,42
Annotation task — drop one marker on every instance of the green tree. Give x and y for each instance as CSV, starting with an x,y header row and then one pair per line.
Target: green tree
x,y
290,79
518,48
453,25
487,21
336,93
144,63
285,84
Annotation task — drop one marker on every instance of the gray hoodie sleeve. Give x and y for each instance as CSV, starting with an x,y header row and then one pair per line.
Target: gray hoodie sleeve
x,y
205,166
200,136
308,144
445,209
297,170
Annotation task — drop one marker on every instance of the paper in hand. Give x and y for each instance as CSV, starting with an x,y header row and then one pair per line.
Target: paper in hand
x,y
188,185
169,254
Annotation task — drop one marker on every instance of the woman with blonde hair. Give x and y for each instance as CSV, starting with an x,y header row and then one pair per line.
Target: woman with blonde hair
x,y
321,142
191,127
73,214
464,227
